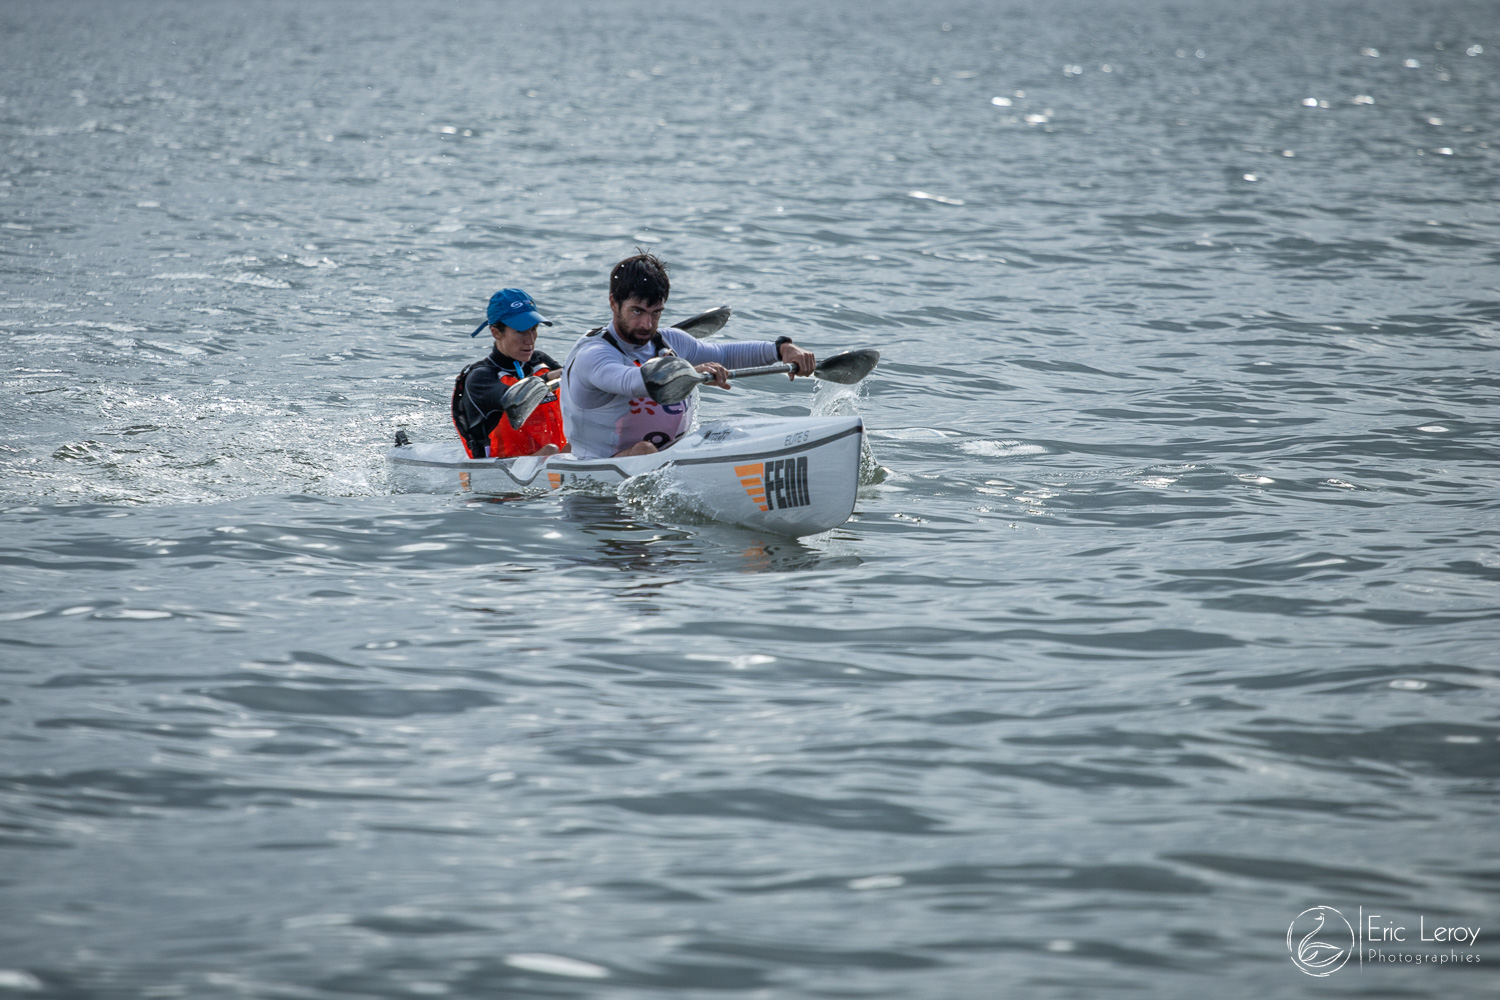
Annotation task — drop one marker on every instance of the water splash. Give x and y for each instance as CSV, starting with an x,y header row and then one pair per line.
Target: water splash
x,y
662,495
834,400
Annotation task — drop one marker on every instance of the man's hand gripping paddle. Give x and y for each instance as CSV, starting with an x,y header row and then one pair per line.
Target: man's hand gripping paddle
x,y
670,379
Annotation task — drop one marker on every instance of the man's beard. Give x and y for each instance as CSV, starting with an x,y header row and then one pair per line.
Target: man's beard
x,y
640,337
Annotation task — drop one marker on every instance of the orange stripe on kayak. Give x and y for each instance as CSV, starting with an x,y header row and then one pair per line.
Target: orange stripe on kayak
x,y
752,479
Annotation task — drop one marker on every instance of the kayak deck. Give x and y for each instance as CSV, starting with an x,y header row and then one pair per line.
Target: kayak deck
x,y
794,476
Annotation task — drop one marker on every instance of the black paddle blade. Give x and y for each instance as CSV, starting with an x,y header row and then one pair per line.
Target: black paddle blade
x,y
705,324
522,399
848,367
670,379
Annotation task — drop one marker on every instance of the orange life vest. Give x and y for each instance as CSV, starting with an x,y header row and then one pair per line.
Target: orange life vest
x,y
543,427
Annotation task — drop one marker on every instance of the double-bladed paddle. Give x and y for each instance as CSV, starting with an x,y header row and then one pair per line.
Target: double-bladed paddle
x,y
670,379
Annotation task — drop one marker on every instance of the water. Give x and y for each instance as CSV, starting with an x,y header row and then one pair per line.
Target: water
x,y
1173,616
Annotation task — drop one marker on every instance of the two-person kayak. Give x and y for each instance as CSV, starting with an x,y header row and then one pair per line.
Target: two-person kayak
x,y
790,475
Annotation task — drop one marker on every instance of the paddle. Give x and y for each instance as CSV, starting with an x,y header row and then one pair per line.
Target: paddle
x,y
705,324
522,399
671,379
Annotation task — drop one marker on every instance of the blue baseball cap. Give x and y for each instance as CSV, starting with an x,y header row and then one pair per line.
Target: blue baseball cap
x,y
515,309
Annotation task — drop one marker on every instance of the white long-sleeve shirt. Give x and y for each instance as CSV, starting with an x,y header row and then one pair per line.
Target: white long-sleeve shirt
x,y
604,401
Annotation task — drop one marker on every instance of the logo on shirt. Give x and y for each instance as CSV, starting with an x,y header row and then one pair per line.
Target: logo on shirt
x,y
650,407
776,485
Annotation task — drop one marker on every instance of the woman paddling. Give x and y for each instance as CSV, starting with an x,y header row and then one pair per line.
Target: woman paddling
x,y
513,322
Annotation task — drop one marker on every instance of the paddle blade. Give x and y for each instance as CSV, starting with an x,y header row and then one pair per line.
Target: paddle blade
x,y
705,324
670,379
848,367
522,399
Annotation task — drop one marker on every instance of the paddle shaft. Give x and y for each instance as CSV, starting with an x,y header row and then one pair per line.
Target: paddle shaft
x,y
834,369
777,369
781,368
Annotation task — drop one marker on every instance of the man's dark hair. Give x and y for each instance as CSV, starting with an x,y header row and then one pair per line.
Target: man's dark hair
x,y
642,276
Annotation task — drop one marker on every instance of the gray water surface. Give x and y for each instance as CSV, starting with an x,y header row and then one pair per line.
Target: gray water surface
x,y
1173,614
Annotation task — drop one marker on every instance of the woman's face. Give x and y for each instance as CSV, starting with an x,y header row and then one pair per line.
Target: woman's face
x,y
515,344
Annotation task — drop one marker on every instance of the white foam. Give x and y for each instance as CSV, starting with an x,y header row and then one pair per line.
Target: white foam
x,y
876,882
243,278
911,434
924,196
258,280
556,965
1001,449
15,979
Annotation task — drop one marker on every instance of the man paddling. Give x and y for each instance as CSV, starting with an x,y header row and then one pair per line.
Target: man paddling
x,y
513,322
607,410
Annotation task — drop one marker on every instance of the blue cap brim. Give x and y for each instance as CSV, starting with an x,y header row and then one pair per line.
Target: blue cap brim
x,y
525,320
516,321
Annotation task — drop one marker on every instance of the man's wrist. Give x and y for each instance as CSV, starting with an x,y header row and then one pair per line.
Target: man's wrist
x,y
779,342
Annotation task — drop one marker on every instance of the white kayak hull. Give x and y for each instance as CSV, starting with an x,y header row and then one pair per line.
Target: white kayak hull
x,y
794,476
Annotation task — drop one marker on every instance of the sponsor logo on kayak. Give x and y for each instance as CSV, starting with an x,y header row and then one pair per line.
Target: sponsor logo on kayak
x,y
776,485
1321,941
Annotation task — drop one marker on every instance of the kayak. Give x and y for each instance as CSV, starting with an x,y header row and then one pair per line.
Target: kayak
x,y
790,475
